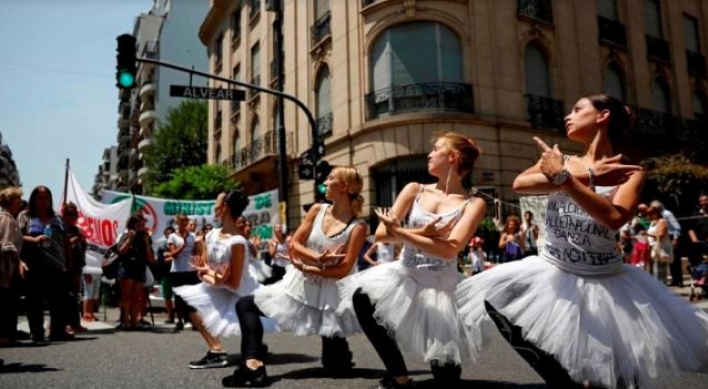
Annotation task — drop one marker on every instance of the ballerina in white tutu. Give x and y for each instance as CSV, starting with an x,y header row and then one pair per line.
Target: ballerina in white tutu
x,y
410,303
223,269
323,249
576,313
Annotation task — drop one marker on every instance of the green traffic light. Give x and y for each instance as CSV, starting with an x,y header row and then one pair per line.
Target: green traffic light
x,y
126,79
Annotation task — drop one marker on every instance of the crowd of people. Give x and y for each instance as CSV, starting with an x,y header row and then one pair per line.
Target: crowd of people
x,y
580,306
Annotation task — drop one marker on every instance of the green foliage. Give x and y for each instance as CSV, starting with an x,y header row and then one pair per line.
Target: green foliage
x,y
202,182
488,231
179,142
675,181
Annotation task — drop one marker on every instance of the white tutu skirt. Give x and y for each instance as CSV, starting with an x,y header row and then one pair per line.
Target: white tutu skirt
x,y
217,308
626,326
417,306
259,270
305,305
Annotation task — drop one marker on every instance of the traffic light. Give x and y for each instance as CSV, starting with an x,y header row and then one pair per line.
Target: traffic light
x,y
126,58
323,169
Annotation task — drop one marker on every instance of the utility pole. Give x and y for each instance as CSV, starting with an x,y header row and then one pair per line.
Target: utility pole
x,y
282,137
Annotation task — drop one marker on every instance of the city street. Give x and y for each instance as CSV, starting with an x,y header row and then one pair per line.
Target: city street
x,y
158,359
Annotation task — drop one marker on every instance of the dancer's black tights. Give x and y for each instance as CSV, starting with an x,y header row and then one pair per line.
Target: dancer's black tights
x,y
555,375
384,345
249,318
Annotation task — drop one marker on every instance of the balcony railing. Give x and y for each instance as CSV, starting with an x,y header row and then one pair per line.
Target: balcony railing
x,y
266,144
321,29
535,9
612,31
422,97
658,49
545,112
324,125
696,63
365,3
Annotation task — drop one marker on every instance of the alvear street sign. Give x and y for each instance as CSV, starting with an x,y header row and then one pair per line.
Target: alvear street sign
x,y
197,92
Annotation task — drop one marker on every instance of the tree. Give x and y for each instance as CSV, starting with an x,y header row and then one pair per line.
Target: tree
x,y
202,182
180,142
9,176
676,181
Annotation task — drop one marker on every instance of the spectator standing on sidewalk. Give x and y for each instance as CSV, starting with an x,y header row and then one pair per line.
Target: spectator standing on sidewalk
x,y
75,263
182,247
46,247
10,264
698,232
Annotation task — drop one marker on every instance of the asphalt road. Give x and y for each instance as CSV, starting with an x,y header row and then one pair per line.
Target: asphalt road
x,y
158,359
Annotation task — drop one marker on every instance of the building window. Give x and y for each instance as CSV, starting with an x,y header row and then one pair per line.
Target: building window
x,y
695,61
255,127
255,9
217,118
236,76
322,27
614,82
256,64
652,18
217,153
323,92
535,9
609,27
538,79
218,52
235,27
661,95
543,111
416,66
608,9
700,106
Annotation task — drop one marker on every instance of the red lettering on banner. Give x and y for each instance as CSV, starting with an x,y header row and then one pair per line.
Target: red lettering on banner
x,y
101,232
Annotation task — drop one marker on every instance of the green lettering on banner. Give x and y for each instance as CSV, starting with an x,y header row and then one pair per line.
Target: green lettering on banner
x,y
264,231
263,201
171,208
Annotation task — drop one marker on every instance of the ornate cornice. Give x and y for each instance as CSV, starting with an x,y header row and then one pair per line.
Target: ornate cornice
x,y
213,20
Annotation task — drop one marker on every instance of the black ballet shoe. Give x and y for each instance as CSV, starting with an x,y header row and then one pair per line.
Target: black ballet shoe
x,y
243,376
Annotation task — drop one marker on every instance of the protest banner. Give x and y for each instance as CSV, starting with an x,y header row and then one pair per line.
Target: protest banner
x,y
100,223
263,210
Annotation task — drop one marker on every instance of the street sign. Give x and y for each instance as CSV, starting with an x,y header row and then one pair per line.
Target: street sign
x,y
198,92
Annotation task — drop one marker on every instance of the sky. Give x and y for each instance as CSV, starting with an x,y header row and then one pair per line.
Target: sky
x,y
58,97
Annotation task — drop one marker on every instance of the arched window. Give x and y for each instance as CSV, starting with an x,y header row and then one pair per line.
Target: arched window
x,y
538,79
414,53
323,92
661,95
700,106
614,82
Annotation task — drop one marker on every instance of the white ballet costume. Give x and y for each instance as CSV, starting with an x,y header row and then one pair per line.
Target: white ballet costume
x,y
258,268
414,297
305,303
216,305
602,320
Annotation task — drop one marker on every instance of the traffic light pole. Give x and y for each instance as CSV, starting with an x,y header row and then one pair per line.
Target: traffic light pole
x,y
281,129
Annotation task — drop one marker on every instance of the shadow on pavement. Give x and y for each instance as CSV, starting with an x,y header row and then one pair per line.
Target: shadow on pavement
x,y
480,384
21,368
319,372
288,358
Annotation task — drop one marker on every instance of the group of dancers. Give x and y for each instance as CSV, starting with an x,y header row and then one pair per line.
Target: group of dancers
x,y
575,313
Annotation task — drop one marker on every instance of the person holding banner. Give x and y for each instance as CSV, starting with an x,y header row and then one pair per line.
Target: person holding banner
x,y
182,246
410,303
576,313
324,249
223,270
